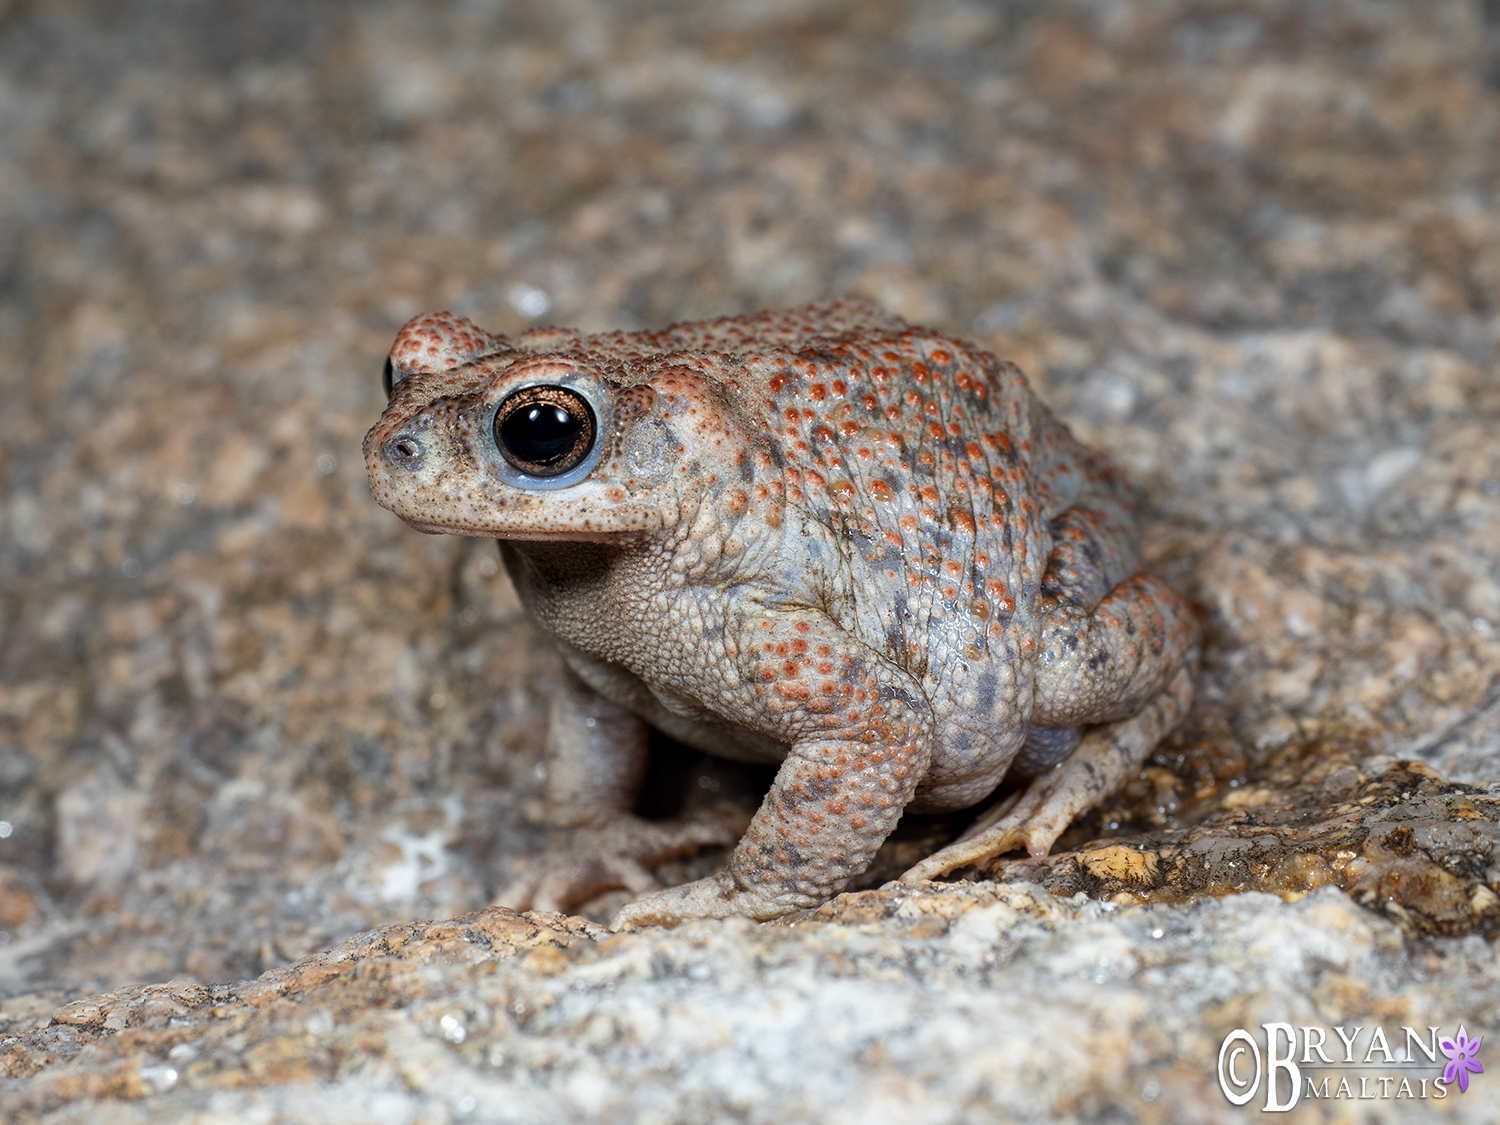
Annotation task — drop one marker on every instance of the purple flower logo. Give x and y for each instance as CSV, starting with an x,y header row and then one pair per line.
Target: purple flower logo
x,y
1461,1061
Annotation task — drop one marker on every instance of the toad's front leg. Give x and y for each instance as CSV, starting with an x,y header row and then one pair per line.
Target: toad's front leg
x,y
861,739
596,760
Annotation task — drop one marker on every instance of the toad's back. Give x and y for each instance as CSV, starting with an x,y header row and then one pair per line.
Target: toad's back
x,y
941,477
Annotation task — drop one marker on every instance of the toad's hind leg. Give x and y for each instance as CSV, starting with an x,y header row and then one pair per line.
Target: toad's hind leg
x,y
1120,664
1102,762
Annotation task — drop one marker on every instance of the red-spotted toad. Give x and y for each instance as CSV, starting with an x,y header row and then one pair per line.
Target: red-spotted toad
x,y
820,537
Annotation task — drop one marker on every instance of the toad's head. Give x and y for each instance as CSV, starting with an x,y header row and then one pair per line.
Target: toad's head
x,y
547,436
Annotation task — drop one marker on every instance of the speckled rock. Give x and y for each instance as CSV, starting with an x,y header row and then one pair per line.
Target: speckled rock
x,y
982,1002
1393,835
1249,250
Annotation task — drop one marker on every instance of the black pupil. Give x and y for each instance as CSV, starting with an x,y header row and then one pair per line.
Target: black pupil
x,y
541,434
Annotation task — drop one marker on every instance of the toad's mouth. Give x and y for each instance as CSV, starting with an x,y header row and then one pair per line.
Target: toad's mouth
x,y
428,528
586,525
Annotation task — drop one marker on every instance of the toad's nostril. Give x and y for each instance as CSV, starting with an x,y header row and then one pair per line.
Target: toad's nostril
x,y
406,451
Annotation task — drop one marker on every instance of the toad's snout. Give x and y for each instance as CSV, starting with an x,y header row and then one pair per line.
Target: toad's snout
x,y
404,451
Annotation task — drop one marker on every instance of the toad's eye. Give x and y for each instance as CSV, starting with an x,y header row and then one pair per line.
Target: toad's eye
x,y
388,376
545,431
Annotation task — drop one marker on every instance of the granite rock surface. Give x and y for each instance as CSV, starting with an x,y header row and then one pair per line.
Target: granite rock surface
x,y
981,1002
1250,248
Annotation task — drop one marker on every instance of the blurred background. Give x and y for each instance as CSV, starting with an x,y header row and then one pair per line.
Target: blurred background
x,y
1251,248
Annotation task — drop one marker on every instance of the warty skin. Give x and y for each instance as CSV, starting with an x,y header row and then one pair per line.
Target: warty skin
x,y
822,538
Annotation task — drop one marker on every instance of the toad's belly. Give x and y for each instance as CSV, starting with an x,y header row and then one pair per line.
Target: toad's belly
x,y
959,777
687,722
968,759
977,725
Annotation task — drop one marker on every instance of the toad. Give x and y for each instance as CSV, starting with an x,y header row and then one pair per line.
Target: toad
x,y
822,538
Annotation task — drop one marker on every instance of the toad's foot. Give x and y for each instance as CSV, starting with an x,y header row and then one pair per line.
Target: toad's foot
x,y
718,896
1097,767
617,853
